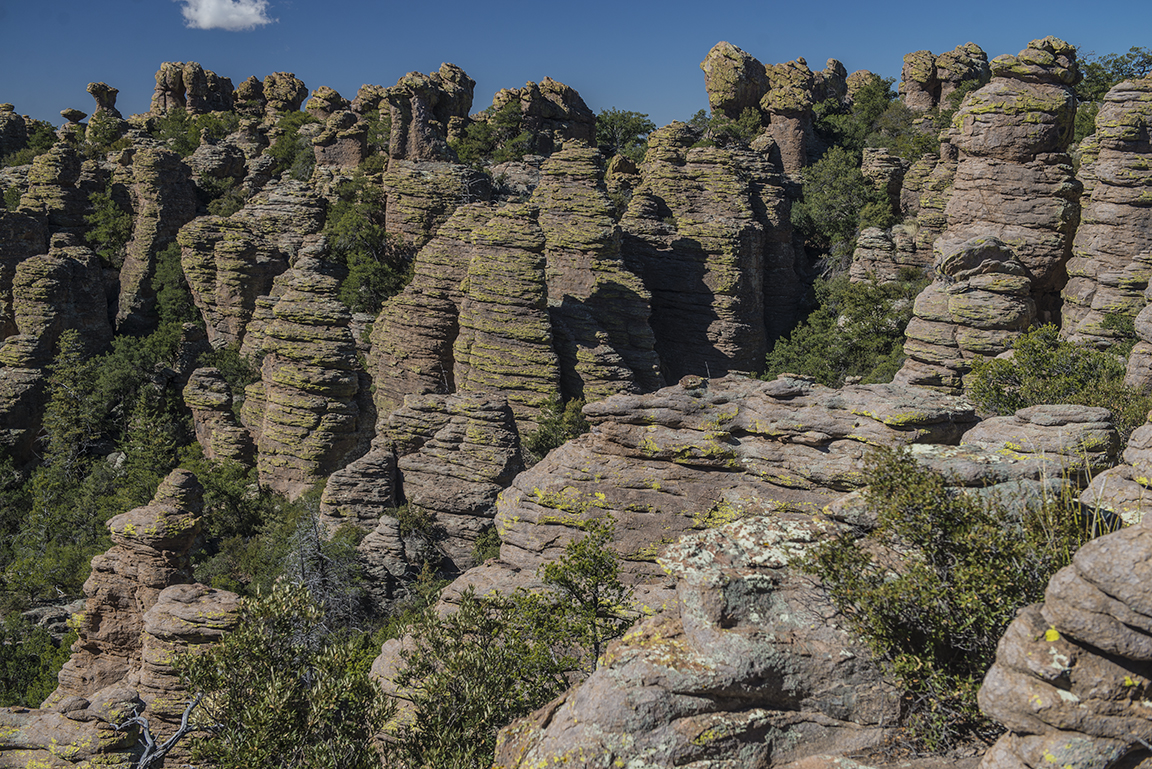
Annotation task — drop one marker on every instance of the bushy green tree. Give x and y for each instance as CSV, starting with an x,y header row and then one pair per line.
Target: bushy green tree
x,y
558,423
623,132
379,265
719,130
182,132
283,690
1047,369
837,201
29,661
857,330
41,138
496,658
110,228
934,585
292,152
497,138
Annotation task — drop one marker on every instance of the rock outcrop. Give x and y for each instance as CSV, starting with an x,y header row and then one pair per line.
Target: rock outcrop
x,y
230,262
1071,675
881,255
927,80
163,201
55,197
1112,252
51,293
1014,181
218,431
21,236
505,340
708,231
423,108
551,113
187,85
283,92
1126,489
980,301
745,670
310,411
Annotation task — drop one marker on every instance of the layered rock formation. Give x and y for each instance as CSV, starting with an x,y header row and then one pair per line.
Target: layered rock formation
x,y
51,293
505,340
163,201
1125,490
231,262
980,301
55,197
1072,674
218,431
310,410
1112,252
927,80
187,85
708,231
551,113
1014,181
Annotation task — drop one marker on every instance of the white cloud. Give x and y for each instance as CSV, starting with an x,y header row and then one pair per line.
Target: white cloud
x,y
232,15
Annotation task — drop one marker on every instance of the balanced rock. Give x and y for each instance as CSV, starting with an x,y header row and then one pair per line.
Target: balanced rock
x,y
1112,252
927,80
283,92
735,80
979,303
1014,181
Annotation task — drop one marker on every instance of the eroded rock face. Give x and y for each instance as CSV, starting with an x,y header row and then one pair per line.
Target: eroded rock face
x,y
149,553
881,255
1014,181
163,201
551,113
599,308
422,195
1125,490
54,195
719,677
1071,675
926,80
344,141
230,262
708,232
51,293
218,431
735,80
423,107
309,412
505,340
187,85
21,236
980,301
1112,252
283,92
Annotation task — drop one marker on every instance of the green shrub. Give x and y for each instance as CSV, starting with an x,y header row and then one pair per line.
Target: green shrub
x,y
557,424
173,297
41,138
487,545
835,198
1046,369
623,132
857,330
286,690
29,661
12,198
720,130
379,265
933,586
292,152
182,132
496,139
222,197
497,658
111,228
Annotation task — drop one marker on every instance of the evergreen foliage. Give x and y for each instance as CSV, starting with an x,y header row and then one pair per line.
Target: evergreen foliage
x,y
110,228
182,132
624,133
292,152
29,662
1047,369
41,138
719,130
857,330
558,423
379,265
934,585
495,139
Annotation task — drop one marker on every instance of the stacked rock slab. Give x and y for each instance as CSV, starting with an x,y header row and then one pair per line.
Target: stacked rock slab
x,y
413,335
1072,674
599,309
1015,180
707,230
1112,253
505,339
979,302
218,431
456,453
230,262
718,679
21,236
51,293
283,92
704,452
187,85
163,200
882,255
1125,490
309,412
149,553
54,196
927,80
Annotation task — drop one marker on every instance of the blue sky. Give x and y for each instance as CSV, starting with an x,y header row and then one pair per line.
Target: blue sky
x,y
631,55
